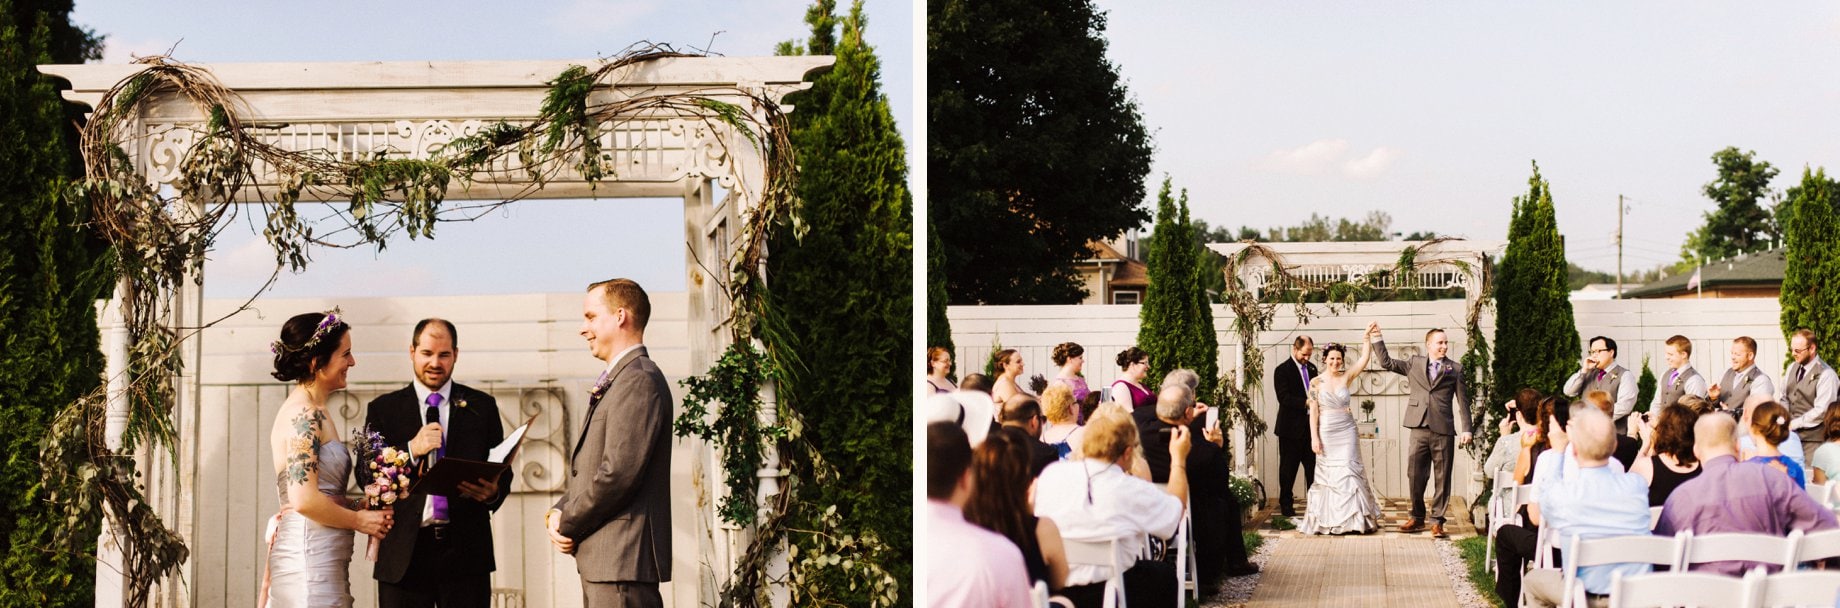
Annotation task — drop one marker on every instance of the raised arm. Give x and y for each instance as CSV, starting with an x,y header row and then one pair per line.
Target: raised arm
x,y
1367,355
1387,362
1625,399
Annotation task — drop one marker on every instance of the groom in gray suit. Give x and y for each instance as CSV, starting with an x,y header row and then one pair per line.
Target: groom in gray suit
x,y
1437,408
615,516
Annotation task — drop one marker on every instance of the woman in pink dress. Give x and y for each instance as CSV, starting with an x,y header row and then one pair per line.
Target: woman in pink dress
x,y
1071,359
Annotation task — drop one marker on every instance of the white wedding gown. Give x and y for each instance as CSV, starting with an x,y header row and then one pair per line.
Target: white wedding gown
x,y
1340,501
309,564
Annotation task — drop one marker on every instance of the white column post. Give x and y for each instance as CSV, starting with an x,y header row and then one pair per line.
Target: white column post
x,y
110,585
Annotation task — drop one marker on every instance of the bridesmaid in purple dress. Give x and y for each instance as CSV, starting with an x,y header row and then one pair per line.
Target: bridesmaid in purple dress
x,y
1071,359
1129,388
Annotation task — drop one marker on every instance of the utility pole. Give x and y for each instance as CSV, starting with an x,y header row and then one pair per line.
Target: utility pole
x,y
1619,246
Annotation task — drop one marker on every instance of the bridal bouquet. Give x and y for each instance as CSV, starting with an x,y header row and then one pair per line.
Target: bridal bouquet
x,y
386,479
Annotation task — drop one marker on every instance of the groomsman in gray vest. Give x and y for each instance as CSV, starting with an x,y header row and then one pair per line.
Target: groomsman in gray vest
x,y
1680,380
1436,409
1602,373
1743,379
1808,387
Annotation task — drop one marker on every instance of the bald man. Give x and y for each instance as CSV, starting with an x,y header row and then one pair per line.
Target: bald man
x,y
1737,497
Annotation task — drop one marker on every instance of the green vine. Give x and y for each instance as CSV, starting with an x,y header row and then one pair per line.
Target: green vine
x,y
160,241
732,389
1252,315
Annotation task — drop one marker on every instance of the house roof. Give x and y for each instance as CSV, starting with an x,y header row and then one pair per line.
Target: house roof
x,y
1129,274
1761,269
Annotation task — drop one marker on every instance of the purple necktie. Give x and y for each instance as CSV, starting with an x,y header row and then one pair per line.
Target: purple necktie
x,y
1305,368
439,503
1672,377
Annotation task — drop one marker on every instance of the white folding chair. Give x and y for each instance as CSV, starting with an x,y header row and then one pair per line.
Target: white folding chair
x,y
1822,493
1764,548
1502,506
1103,554
1038,595
1665,589
1542,552
1187,573
1818,546
1654,517
1806,588
1653,550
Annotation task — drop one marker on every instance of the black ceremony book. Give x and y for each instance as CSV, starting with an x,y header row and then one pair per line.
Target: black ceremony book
x,y
445,477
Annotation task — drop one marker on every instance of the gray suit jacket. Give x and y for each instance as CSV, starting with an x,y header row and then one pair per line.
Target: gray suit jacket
x,y
1439,404
617,504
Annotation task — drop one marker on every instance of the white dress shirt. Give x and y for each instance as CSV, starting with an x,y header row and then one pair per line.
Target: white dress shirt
x,y
1122,506
421,412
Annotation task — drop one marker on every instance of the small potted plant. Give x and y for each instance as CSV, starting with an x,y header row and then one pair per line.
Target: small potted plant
x,y
1368,427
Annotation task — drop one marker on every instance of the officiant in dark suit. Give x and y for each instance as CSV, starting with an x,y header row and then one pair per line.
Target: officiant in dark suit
x,y
441,554
1291,380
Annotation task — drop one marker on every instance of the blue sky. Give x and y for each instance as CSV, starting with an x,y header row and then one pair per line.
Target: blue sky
x,y
531,246
1432,111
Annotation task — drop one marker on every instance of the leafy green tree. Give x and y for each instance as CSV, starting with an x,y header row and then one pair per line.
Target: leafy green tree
x,y
51,273
1739,222
846,289
1034,146
1536,340
1645,386
1177,322
1812,256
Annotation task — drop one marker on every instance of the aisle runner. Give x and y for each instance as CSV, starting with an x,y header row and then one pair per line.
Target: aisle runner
x,y
1391,570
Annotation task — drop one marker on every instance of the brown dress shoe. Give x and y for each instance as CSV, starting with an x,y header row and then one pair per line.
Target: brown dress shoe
x,y
1437,531
1413,525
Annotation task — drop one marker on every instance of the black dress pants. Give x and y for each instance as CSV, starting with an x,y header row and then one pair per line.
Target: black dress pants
x,y
1292,453
1149,583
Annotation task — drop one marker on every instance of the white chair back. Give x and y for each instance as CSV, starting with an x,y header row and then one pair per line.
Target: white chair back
x,y
1775,550
1665,589
1038,595
1654,517
1806,588
1103,554
1818,545
1642,549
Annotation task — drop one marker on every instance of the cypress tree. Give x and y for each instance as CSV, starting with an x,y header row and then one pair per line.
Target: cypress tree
x,y
845,289
1536,340
1811,235
51,273
1177,322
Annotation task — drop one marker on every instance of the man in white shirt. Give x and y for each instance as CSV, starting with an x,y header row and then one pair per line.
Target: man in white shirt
x,y
1601,372
967,565
1808,386
1094,499
1743,379
1679,379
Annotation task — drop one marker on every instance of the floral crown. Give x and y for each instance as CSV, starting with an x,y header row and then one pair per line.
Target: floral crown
x,y
331,321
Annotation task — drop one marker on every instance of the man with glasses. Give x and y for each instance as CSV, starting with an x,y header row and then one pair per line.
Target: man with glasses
x,y
1601,372
1808,387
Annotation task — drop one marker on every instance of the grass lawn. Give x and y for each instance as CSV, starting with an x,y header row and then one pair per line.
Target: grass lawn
x,y
1473,549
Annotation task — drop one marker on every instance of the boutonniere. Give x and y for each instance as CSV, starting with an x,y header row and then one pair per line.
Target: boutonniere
x,y
460,403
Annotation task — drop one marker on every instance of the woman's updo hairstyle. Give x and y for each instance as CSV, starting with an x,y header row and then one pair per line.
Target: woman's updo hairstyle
x,y
1335,348
1131,355
307,342
1064,351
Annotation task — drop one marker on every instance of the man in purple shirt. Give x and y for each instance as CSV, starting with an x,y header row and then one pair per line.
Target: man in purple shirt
x,y
1732,496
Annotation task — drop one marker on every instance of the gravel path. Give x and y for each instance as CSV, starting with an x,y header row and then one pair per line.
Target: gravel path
x,y
1236,591
1467,595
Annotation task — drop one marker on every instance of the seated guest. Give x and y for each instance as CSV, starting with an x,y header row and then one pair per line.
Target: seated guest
x,y
1791,446
976,382
1667,451
1594,501
1825,466
1518,414
1140,468
970,410
1769,427
1734,496
970,566
1057,405
1627,446
1024,414
1087,404
1093,499
1000,502
1216,518
1516,543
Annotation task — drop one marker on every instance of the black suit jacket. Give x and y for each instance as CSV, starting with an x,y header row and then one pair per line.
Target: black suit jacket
x,y
1293,400
472,431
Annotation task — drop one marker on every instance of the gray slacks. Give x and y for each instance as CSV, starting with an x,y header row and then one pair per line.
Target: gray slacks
x,y
621,595
1430,452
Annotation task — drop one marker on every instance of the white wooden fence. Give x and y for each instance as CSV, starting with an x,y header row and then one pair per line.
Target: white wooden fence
x,y
1640,328
523,349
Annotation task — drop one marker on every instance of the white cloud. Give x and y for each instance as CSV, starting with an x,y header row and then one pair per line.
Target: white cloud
x,y
601,16
1309,159
1372,165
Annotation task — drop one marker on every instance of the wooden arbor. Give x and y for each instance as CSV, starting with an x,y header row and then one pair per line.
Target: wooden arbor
x,y
356,111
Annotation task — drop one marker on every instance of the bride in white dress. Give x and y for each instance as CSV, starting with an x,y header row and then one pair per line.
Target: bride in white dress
x,y
310,546
1340,501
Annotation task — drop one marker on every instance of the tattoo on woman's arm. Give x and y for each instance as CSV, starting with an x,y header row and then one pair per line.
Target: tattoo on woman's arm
x,y
303,455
